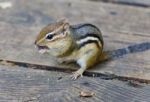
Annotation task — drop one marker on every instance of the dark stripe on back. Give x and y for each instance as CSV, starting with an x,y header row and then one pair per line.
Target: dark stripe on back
x,y
93,35
82,25
88,42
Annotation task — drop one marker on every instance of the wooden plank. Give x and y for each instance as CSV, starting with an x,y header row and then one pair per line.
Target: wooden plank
x,y
28,85
116,17
129,32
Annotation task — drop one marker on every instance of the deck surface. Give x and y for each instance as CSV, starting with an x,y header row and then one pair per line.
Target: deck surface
x,y
126,34
18,84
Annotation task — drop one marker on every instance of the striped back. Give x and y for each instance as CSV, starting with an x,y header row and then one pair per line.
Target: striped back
x,y
87,33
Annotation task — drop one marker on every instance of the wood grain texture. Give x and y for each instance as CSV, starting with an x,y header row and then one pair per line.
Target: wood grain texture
x,y
125,29
18,84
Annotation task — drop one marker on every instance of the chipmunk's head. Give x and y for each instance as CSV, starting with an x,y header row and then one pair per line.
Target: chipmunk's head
x,y
55,38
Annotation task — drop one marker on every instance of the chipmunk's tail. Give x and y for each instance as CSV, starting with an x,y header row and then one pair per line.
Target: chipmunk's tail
x,y
118,53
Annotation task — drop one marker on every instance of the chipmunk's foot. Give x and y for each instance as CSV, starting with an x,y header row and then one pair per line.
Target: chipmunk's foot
x,y
76,75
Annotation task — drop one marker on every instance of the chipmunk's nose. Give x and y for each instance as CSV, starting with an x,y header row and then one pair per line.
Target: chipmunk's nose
x,y
35,42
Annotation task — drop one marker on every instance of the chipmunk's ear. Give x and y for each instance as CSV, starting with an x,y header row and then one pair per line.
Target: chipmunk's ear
x,y
66,26
63,21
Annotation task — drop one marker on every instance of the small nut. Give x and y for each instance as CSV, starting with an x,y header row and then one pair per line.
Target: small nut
x,y
86,94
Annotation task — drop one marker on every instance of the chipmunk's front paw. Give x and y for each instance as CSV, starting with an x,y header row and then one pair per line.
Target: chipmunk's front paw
x,y
76,75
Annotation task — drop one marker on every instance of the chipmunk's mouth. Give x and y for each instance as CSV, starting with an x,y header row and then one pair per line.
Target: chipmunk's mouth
x,y
42,49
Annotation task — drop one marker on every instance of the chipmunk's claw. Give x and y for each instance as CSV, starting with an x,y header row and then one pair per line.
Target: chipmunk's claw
x,y
76,75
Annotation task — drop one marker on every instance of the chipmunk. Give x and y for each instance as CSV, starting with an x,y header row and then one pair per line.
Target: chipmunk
x,y
82,44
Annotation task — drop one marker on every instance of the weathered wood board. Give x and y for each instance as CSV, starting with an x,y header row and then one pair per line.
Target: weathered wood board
x,y
123,27
18,84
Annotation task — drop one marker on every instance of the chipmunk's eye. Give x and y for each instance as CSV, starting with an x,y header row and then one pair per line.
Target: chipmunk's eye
x,y
49,36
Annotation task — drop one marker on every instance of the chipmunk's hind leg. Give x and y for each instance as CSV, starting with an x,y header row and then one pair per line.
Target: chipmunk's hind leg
x,y
68,59
88,57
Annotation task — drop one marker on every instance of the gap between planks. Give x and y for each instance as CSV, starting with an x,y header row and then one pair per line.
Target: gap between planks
x,y
136,3
105,76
